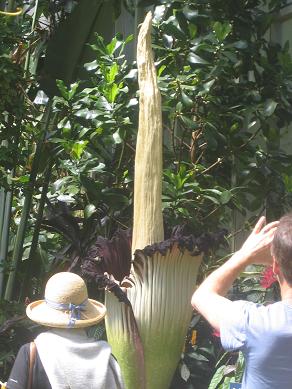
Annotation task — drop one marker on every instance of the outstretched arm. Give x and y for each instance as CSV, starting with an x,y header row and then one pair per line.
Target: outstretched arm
x,y
209,298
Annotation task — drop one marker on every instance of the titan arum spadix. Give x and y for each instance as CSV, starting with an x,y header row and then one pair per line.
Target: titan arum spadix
x,y
147,338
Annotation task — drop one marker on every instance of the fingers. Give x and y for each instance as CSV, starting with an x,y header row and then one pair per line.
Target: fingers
x,y
271,226
260,223
271,233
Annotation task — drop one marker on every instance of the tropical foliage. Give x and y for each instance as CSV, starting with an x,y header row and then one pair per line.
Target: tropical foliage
x,y
68,134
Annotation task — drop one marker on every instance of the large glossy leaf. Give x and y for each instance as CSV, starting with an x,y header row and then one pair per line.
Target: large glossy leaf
x,y
195,59
222,30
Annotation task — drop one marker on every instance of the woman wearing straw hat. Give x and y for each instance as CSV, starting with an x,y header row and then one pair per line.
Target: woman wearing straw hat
x,y
65,356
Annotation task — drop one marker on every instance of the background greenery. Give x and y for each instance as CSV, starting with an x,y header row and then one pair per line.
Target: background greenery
x,y
68,122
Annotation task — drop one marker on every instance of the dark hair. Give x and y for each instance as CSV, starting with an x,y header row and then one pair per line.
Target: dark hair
x,y
281,247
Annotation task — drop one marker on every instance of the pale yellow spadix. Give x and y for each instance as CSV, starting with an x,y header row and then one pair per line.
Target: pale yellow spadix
x,y
148,222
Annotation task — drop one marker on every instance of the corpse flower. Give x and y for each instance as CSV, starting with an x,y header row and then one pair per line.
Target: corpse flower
x,y
147,321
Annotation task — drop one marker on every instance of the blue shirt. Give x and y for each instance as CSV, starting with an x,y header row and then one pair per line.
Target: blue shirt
x,y
264,335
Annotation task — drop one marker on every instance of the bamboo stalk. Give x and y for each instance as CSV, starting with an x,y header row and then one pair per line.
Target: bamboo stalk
x,y
21,229
37,227
18,247
2,207
5,236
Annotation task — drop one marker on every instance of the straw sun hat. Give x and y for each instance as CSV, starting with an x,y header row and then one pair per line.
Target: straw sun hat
x,y
66,304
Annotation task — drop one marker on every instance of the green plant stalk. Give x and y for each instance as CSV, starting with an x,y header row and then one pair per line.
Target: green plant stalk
x,y
2,207
5,233
6,201
41,207
6,225
37,227
20,235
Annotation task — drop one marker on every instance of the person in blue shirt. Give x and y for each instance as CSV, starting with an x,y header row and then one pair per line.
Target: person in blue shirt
x,y
262,333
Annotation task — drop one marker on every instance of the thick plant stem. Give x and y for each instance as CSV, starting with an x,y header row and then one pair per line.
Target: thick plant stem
x,y
18,247
148,222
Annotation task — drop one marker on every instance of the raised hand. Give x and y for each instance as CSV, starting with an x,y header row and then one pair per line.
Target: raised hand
x,y
256,248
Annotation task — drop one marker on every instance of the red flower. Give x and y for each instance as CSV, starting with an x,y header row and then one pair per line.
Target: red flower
x,y
268,278
216,333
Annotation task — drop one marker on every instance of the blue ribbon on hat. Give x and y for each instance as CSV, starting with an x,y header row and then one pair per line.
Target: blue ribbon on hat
x,y
74,309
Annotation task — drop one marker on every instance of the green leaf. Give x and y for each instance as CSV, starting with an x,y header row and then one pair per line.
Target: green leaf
x,y
63,89
185,372
208,85
212,199
189,123
111,92
78,148
73,90
89,210
99,168
111,75
217,378
117,137
195,59
160,70
167,40
186,100
210,138
173,30
269,107
193,30
222,30
225,197
226,383
86,113
91,65
241,45
197,356
83,132
66,51
190,14
112,45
